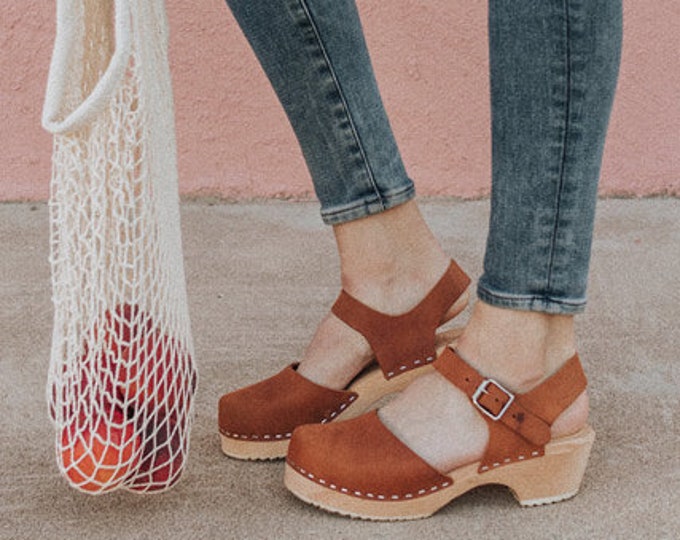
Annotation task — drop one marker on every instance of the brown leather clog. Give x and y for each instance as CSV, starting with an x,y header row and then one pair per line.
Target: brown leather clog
x,y
257,422
359,468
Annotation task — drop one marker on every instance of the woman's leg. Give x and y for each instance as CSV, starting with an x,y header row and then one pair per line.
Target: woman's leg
x,y
315,57
554,66
553,71
313,52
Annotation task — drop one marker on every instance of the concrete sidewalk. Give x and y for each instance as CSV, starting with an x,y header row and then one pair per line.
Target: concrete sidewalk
x,y
260,276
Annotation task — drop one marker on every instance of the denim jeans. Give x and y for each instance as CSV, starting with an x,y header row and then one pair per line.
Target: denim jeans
x,y
553,70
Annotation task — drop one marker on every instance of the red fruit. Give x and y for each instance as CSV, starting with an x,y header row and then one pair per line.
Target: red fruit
x,y
162,458
98,459
148,375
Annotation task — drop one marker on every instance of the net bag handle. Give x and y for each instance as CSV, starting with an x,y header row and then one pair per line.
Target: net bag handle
x,y
67,35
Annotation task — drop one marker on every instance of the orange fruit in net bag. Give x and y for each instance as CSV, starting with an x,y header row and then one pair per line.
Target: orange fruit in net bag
x,y
97,458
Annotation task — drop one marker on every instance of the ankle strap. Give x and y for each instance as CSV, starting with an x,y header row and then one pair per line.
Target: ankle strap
x,y
403,342
519,424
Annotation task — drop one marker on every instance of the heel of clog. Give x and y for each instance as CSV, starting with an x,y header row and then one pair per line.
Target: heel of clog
x,y
554,477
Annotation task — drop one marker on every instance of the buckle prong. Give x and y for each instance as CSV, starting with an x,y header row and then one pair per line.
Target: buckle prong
x,y
481,389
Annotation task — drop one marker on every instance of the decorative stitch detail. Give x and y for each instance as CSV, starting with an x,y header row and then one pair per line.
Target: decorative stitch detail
x,y
410,365
368,495
507,460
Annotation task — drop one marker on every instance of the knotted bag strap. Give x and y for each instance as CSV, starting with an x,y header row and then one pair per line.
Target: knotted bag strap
x,y
406,341
519,424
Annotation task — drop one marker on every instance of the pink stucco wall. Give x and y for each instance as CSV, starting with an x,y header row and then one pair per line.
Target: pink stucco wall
x,y
430,58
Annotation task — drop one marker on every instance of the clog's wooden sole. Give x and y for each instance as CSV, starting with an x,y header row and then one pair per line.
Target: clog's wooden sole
x,y
554,477
254,450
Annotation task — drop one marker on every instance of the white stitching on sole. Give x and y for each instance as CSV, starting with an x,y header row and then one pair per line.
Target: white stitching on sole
x,y
368,495
383,497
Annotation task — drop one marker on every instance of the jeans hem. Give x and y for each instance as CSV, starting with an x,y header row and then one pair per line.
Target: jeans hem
x,y
543,304
367,206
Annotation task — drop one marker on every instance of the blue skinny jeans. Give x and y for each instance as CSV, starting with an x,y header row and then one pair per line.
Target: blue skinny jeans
x,y
553,72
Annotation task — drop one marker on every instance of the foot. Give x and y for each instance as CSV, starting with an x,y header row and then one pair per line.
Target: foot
x,y
437,421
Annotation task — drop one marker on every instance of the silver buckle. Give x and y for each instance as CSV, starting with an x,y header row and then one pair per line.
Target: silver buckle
x,y
481,389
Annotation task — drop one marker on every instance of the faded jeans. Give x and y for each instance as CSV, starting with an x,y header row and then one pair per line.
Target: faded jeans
x,y
553,71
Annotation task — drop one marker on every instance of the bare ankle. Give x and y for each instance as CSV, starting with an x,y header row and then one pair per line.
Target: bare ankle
x,y
518,348
388,257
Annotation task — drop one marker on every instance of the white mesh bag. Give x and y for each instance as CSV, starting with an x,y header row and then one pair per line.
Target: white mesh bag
x,y
121,378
